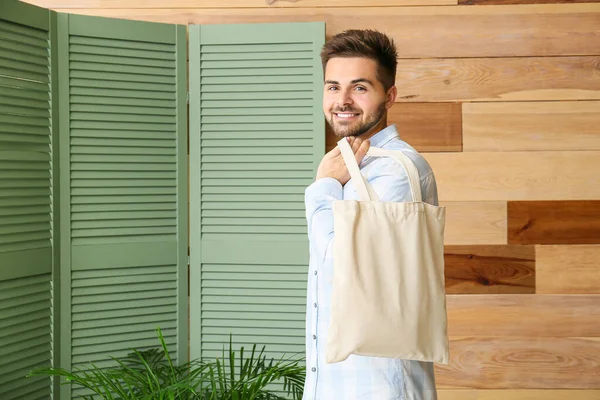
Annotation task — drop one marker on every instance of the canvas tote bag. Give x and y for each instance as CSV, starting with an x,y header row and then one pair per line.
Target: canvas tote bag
x,y
388,295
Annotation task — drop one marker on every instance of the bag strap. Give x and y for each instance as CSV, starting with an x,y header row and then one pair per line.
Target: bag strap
x,y
364,189
411,170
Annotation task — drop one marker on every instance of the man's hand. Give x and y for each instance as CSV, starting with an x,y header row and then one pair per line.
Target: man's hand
x,y
333,166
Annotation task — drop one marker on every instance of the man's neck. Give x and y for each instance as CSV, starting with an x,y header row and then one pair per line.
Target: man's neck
x,y
375,130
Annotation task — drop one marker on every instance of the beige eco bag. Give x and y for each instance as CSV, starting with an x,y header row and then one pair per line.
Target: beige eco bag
x,y
388,297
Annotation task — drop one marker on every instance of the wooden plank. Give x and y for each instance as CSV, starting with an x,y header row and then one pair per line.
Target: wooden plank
x,y
136,4
525,126
512,2
521,363
489,269
509,394
568,269
496,176
554,222
475,223
524,315
428,127
499,79
458,394
421,32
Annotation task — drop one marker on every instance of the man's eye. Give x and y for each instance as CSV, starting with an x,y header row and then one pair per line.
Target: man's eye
x,y
332,88
360,88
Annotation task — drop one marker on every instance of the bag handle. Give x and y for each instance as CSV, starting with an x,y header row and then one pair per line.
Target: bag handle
x,y
364,189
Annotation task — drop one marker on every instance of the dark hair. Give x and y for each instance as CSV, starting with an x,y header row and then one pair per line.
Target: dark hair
x,y
366,43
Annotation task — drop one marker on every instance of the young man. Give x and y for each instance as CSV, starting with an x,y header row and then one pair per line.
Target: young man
x,y
360,69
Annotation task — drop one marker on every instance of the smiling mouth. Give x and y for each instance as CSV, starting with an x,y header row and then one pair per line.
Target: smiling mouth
x,y
346,115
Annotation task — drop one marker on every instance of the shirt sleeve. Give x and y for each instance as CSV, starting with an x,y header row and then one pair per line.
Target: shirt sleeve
x,y
394,186
319,198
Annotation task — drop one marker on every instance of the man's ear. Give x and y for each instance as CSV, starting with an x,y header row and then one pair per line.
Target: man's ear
x,y
391,97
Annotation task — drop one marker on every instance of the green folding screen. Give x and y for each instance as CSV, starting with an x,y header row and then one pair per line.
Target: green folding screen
x,y
123,169
94,188
27,119
256,137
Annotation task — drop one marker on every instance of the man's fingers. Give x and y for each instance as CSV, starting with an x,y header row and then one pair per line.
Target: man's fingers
x,y
361,152
359,147
356,144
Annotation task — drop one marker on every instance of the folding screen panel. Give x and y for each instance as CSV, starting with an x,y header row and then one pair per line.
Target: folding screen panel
x,y
27,119
257,135
123,172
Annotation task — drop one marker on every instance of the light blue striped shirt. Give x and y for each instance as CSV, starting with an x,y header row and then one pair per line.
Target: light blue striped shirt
x,y
358,377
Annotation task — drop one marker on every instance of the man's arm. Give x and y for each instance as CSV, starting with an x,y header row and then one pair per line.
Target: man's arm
x,y
319,198
332,174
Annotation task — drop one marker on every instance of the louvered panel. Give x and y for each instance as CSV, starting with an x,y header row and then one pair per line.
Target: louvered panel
x,y
116,309
257,128
25,334
222,170
110,60
256,88
251,187
25,202
111,84
131,96
119,47
126,144
258,304
256,146
265,106
304,53
121,109
118,74
94,148
264,79
106,300
14,45
121,71
307,93
266,112
270,48
26,98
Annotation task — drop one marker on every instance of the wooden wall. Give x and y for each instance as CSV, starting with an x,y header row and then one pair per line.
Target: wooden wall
x,y
503,97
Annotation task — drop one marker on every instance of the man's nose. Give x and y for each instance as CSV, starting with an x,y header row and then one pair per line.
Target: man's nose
x,y
345,98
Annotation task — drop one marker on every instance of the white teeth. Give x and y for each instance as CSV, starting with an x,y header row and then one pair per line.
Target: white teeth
x,y
346,115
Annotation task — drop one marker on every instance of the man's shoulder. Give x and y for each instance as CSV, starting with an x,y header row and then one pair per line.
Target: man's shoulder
x,y
426,175
420,161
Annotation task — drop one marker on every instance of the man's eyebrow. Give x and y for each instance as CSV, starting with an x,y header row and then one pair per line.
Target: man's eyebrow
x,y
359,80
362,80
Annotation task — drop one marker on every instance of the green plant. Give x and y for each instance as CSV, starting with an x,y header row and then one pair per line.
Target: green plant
x,y
143,375
254,374
151,375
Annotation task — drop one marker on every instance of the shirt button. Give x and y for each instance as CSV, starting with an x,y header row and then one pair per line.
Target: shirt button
x,y
314,336
313,369
315,305
315,272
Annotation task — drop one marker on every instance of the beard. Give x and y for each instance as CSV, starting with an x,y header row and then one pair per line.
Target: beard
x,y
345,129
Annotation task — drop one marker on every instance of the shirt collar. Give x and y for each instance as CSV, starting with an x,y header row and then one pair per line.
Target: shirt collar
x,y
384,136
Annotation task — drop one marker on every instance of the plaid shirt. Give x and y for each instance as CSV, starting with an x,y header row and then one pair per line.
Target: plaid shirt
x,y
358,377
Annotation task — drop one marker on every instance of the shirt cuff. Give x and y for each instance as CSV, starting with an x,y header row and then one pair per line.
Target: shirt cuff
x,y
329,187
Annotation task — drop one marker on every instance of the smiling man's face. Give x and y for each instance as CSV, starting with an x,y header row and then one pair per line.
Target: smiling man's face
x,y
355,102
